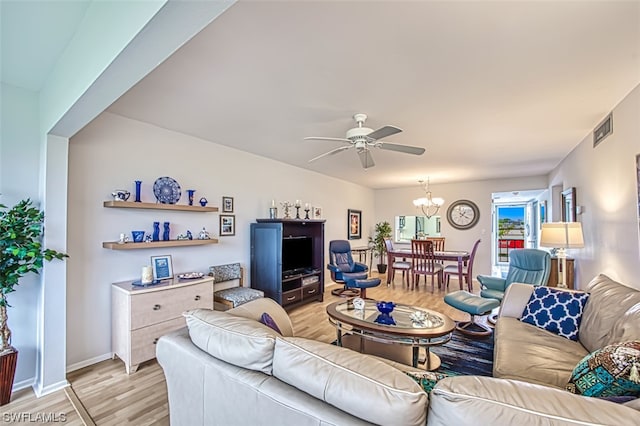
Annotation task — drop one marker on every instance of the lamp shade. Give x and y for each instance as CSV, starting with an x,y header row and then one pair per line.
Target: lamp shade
x,y
562,235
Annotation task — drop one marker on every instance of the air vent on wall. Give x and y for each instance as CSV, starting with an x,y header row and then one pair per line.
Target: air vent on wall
x,y
602,130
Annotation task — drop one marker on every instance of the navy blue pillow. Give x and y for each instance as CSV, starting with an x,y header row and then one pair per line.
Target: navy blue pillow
x,y
557,311
269,322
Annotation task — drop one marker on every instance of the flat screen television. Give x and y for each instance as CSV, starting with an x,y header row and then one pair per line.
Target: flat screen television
x,y
297,254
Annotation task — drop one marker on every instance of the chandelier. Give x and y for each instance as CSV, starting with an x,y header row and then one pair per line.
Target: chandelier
x,y
429,205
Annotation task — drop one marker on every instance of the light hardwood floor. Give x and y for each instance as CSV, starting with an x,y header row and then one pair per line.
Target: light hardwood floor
x,y
111,397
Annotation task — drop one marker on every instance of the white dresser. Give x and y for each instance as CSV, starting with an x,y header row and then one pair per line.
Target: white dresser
x,y
140,315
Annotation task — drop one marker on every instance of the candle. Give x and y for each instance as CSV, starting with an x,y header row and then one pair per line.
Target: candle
x,y
297,203
147,275
273,203
306,206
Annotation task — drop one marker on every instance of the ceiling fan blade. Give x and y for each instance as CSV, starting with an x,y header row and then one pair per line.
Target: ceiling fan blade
x,y
320,138
333,151
366,159
401,148
383,132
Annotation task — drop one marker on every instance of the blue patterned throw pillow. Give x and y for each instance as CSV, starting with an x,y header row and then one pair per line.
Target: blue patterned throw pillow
x,y
610,372
554,310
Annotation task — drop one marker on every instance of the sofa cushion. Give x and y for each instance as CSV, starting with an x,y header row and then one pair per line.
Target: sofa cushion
x,y
531,354
610,371
557,311
353,382
239,341
608,300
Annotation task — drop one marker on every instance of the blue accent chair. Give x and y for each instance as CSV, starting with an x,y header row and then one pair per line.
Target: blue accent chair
x,y
344,270
529,266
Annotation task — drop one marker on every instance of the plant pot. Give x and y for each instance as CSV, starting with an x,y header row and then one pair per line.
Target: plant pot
x,y
8,363
382,268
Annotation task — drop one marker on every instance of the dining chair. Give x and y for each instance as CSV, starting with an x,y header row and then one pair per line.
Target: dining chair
x,y
397,265
424,263
467,270
438,243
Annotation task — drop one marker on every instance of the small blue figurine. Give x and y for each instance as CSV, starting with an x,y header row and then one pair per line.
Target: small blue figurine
x,y
189,235
203,201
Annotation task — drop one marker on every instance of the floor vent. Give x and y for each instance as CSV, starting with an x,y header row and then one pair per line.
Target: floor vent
x,y
604,129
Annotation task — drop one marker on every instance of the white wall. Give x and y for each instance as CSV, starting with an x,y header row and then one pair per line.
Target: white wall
x,y
112,152
19,164
606,187
395,202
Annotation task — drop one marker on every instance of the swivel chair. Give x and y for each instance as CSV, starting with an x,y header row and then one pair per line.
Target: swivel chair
x,y
528,266
344,270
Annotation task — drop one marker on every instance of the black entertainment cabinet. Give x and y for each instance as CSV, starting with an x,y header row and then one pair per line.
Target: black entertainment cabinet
x,y
288,288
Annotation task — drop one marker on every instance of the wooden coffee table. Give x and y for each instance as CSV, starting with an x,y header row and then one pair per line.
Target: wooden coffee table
x,y
435,329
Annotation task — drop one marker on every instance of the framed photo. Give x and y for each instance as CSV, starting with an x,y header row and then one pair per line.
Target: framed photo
x,y
227,225
317,213
162,267
227,204
354,224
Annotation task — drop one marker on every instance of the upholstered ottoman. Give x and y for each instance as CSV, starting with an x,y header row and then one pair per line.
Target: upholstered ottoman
x,y
473,305
231,275
236,296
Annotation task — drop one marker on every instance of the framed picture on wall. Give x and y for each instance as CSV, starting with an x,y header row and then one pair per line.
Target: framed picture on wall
x,y
227,204
227,225
354,224
162,267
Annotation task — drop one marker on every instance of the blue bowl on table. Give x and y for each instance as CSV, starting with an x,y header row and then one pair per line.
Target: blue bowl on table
x,y
385,307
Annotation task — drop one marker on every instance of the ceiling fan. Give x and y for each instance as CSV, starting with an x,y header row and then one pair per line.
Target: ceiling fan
x,y
363,139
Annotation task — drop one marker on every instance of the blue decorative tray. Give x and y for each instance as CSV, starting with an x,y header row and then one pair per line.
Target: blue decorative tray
x,y
166,190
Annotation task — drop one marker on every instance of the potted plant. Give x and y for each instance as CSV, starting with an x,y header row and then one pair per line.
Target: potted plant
x,y
383,230
21,253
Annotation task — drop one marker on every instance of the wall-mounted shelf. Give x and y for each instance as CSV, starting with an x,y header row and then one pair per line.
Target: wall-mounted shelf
x,y
114,245
157,206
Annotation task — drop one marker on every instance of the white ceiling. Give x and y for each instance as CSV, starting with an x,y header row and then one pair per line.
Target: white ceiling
x,y
490,89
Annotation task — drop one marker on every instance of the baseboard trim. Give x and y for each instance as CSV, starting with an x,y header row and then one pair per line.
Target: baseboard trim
x,y
46,390
88,362
23,384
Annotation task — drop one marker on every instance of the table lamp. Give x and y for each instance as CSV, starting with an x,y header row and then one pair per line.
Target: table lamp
x,y
562,235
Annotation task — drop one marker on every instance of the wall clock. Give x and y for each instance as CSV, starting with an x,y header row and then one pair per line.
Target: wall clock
x,y
463,214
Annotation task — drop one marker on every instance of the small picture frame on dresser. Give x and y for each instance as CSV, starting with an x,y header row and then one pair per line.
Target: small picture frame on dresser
x,y
162,267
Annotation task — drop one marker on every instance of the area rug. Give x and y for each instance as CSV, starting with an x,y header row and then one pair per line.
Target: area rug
x,y
465,356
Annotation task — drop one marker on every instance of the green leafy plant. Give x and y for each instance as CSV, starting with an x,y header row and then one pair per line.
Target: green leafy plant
x,y
383,230
21,253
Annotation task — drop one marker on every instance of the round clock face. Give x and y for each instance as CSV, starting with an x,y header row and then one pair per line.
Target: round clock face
x,y
463,214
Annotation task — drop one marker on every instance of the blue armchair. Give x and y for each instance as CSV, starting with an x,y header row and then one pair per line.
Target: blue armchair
x,y
344,270
529,266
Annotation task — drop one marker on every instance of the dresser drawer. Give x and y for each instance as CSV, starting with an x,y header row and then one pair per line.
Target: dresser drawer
x,y
311,290
158,306
143,340
292,296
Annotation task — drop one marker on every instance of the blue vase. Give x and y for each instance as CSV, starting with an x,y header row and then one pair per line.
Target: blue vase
x,y
138,183
156,231
190,193
165,235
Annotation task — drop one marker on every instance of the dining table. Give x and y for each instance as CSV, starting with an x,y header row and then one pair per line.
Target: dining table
x,y
460,256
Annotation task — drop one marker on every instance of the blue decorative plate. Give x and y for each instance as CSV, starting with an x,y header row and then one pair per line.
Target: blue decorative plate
x,y
166,190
